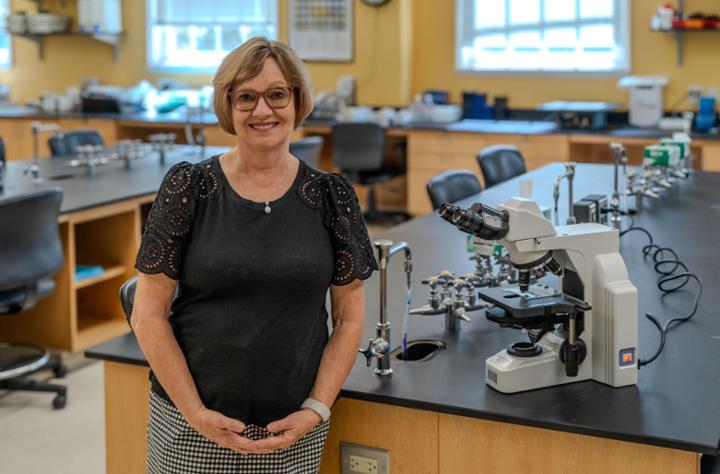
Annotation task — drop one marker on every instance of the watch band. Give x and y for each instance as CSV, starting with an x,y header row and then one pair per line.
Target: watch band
x,y
318,407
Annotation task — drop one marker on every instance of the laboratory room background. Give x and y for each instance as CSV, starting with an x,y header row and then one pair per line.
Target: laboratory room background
x,y
359,236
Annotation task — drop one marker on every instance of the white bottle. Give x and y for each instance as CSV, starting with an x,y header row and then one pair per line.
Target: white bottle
x,y
666,14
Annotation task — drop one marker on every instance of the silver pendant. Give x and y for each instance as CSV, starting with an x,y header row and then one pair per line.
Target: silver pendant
x,y
267,208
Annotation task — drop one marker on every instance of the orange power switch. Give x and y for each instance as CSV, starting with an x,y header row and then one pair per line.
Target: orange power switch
x,y
627,358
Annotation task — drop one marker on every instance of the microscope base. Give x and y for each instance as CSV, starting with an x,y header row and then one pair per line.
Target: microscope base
x,y
509,374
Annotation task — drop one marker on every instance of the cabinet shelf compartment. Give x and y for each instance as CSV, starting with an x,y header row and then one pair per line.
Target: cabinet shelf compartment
x,y
99,314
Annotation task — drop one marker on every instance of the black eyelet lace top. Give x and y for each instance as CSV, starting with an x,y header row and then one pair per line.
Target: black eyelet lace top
x,y
250,316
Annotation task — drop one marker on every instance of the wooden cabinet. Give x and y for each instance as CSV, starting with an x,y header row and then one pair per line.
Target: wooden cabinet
x,y
419,441
17,134
432,152
79,314
709,155
422,441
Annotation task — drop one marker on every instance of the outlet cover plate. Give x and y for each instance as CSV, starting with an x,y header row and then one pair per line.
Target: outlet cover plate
x,y
694,92
382,456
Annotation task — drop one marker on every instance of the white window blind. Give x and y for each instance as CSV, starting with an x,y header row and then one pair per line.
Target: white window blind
x,y
5,43
542,35
196,35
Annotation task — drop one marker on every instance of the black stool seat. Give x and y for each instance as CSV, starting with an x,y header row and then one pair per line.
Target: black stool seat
x,y
30,255
21,359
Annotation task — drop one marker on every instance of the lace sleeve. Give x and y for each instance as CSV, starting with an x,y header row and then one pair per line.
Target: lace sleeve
x,y
169,223
354,257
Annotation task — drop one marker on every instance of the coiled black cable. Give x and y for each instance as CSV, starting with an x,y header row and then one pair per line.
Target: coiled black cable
x,y
666,262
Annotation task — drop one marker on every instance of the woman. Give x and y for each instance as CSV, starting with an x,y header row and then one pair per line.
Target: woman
x,y
243,373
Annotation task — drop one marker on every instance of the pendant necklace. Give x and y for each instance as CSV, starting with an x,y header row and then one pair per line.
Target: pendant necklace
x,y
268,210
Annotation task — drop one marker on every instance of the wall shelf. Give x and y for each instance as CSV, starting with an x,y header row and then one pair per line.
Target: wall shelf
x,y
679,34
112,39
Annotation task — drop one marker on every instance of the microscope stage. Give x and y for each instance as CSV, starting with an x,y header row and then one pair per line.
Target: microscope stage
x,y
528,309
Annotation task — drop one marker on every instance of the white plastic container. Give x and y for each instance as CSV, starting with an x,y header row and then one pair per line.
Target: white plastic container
x,y
99,16
646,99
665,14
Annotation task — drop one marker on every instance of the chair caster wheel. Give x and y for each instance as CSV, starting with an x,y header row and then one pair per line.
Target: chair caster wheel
x,y
60,372
59,401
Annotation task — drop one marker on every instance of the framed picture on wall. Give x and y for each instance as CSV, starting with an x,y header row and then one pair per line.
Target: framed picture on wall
x,y
321,30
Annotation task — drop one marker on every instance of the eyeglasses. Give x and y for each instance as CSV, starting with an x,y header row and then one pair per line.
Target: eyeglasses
x,y
245,100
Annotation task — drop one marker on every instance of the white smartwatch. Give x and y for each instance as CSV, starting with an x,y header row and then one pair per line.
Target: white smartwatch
x,y
318,407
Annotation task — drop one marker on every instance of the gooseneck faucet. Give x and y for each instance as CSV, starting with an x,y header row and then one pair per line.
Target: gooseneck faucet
x,y
619,159
379,348
37,128
570,176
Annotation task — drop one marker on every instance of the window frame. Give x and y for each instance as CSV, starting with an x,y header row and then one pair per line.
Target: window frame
x,y
5,66
464,28
151,7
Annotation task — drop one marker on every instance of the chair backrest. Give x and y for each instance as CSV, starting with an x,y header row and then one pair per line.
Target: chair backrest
x,y
499,163
358,146
30,248
452,186
307,149
127,296
65,145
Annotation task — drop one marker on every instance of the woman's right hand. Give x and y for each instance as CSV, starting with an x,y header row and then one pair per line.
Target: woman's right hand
x,y
222,430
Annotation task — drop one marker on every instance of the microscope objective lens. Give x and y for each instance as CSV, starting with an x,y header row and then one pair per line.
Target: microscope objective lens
x,y
554,266
524,280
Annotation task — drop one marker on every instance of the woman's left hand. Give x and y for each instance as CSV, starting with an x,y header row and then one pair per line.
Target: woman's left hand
x,y
289,429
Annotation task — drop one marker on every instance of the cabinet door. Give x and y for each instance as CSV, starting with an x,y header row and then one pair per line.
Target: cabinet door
x,y
710,154
471,445
17,135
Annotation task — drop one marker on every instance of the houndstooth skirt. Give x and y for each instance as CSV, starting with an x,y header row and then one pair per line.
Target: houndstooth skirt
x,y
174,447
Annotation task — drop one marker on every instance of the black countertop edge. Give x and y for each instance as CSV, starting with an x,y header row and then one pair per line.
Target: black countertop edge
x,y
617,128
106,203
114,358
483,415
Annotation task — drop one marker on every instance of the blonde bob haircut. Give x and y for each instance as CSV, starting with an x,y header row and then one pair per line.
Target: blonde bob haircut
x,y
246,62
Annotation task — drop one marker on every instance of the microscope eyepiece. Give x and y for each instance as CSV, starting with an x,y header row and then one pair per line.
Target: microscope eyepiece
x,y
480,220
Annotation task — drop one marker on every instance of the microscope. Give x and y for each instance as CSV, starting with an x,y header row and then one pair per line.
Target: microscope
x,y
587,329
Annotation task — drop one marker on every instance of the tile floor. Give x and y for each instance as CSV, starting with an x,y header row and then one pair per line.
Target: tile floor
x,y
36,439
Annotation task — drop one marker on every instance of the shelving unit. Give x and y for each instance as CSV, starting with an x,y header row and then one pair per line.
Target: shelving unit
x,y
112,39
81,314
679,35
108,274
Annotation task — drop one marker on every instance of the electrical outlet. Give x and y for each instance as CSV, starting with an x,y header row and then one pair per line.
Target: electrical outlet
x,y
363,465
693,93
355,459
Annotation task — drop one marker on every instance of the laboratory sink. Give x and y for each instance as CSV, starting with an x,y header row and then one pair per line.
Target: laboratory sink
x,y
420,350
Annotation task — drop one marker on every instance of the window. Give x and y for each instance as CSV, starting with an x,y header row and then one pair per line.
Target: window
x,y
542,35
5,51
192,35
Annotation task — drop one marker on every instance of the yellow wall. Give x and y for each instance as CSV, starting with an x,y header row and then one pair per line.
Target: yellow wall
x,y
401,48
652,54
377,55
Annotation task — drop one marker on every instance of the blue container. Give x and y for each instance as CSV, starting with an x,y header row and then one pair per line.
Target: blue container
x,y
474,105
705,118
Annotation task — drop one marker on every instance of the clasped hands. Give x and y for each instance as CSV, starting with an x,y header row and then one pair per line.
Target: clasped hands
x,y
226,432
